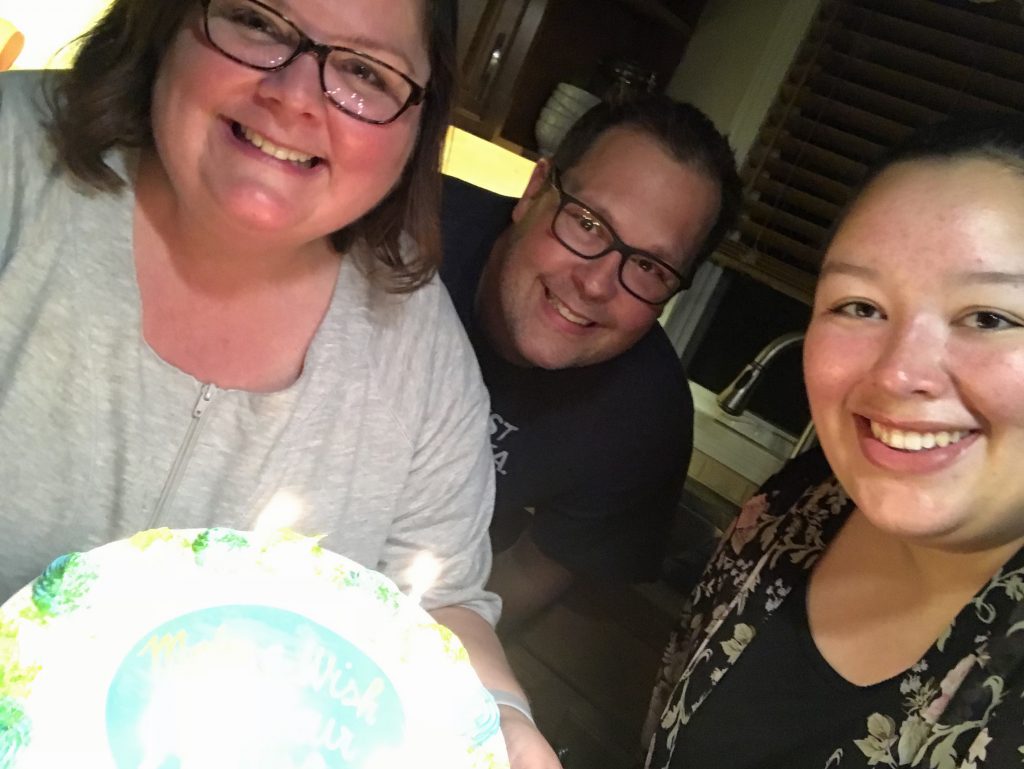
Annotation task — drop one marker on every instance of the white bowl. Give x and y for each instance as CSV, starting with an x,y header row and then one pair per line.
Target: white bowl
x,y
555,106
557,117
549,133
582,99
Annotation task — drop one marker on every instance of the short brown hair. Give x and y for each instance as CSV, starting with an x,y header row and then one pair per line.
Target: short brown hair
x,y
686,133
105,101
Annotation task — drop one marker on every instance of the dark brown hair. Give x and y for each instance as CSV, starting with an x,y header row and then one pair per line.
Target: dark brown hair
x,y
104,101
688,135
996,136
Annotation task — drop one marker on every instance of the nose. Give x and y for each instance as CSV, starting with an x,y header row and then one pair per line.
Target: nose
x,y
597,279
912,361
296,88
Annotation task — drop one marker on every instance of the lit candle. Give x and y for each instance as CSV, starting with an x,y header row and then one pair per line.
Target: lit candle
x,y
422,574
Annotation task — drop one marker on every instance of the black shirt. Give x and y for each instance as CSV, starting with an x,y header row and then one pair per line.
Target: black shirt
x,y
598,453
786,704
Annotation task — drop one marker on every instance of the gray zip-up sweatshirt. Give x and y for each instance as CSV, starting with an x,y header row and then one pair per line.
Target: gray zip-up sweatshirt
x,y
381,444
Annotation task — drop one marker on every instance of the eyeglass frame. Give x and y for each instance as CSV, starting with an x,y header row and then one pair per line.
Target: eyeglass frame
x,y
320,51
618,244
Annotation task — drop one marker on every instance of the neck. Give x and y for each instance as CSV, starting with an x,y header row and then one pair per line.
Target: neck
x,y
935,569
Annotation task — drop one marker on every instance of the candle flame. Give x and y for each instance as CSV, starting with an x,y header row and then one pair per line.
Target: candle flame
x,y
422,574
281,512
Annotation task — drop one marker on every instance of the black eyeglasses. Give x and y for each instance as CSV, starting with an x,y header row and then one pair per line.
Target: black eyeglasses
x,y
644,275
253,34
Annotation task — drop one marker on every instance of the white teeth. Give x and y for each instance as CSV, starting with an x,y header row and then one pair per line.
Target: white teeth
x,y
281,153
908,440
568,314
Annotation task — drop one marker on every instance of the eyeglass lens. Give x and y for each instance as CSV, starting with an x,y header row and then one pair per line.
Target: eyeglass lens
x,y
257,36
582,232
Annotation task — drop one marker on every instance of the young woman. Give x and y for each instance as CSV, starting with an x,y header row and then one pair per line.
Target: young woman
x,y
867,608
216,304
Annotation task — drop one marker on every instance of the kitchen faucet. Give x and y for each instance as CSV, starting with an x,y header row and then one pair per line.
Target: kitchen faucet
x,y
733,400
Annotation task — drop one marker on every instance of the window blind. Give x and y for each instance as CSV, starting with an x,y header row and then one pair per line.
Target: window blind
x,y
867,74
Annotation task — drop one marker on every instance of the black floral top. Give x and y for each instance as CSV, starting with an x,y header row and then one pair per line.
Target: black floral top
x,y
962,704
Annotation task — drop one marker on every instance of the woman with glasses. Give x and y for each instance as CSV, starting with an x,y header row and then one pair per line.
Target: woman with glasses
x,y
218,235
867,607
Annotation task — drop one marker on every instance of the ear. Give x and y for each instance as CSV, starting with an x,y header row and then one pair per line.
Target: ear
x,y
534,189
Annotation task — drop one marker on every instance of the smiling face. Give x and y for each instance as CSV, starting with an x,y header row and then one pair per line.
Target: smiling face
x,y
540,304
914,359
265,153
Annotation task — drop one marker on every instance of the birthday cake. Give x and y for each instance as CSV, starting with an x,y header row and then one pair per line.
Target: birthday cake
x,y
217,649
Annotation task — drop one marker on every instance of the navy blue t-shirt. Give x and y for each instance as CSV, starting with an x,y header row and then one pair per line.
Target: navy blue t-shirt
x,y
597,453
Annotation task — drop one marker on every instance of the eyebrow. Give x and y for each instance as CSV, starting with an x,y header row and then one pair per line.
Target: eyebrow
x,y
658,251
965,276
993,276
845,268
360,43
375,47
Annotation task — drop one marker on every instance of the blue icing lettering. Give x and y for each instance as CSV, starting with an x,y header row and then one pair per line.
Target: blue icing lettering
x,y
488,719
254,686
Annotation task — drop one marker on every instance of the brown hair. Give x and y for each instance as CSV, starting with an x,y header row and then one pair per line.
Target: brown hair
x,y
688,135
996,136
104,101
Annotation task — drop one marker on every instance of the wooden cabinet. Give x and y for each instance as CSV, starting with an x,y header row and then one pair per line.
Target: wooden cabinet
x,y
512,54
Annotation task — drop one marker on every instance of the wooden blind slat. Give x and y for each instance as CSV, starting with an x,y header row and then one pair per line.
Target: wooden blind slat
x,y
878,129
960,21
944,45
820,160
952,74
806,180
870,99
765,160
781,221
759,237
845,143
774,192
898,84
780,275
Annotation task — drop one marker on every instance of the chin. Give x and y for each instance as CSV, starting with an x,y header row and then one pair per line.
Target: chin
x,y
914,516
541,358
261,207
260,215
544,362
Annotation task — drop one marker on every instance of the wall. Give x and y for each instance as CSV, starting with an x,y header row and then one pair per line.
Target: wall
x,y
48,26
736,59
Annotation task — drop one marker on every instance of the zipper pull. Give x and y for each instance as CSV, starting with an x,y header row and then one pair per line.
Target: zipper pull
x,y
205,396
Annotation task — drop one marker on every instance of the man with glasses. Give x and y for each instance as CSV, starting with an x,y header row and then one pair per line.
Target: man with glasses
x,y
560,292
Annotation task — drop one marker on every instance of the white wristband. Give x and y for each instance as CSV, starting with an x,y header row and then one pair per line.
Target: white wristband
x,y
514,701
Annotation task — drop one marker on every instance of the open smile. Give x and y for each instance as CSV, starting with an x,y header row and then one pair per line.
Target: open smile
x,y
913,440
563,310
913,449
267,147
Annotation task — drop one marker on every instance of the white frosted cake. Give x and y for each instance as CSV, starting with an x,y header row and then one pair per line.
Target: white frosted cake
x,y
219,649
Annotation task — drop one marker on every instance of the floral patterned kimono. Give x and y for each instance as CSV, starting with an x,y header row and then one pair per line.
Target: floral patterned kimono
x,y
962,706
